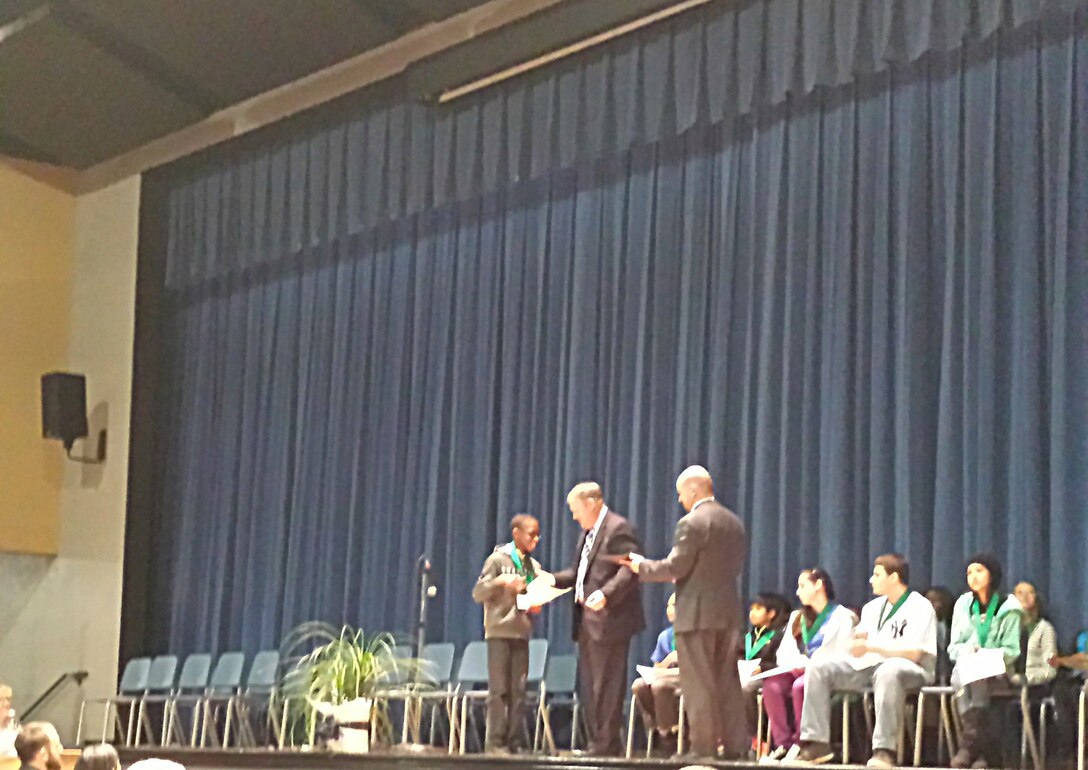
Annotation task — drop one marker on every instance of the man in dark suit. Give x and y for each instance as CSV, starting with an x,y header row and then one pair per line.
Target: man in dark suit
x,y
607,613
706,558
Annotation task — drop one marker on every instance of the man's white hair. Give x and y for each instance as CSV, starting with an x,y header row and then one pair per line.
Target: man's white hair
x,y
154,763
693,472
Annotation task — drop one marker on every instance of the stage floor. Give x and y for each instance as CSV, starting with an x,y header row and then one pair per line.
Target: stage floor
x,y
240,759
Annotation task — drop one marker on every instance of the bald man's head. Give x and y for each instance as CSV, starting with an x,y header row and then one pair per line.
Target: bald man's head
x,y
693,485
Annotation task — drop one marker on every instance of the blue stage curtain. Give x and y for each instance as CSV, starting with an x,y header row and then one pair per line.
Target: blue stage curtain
x,y
369,166
863,308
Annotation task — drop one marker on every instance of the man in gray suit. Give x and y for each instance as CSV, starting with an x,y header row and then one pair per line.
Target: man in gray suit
x,y
706,558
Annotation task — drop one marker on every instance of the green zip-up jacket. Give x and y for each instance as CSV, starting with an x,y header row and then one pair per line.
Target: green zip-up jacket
x,y
1004,632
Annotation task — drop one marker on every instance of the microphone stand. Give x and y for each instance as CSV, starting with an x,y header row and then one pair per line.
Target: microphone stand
x,y
427,590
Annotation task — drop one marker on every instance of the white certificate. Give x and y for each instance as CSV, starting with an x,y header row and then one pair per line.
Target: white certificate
x,y
979,665
802,663
537,594
747,669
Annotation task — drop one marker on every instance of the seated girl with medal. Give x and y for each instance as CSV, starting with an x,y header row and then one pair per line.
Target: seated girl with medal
x,y
820,628
506,573
767,614
983,618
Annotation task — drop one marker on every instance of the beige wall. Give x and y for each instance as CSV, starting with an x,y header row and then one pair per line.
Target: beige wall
x,y
36,232
62,613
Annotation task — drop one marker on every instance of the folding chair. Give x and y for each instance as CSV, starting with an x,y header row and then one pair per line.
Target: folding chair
x,y
431,684
260,691
945,723
222,691
633,708
160,688
471,673
191,685
560,691
129,691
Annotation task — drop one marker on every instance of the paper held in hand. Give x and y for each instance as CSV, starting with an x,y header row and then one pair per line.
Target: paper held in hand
x,y
747,669
777,671
650,674
979,665
538,593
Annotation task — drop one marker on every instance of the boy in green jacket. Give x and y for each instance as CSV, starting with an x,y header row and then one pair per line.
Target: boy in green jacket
x,y
983,619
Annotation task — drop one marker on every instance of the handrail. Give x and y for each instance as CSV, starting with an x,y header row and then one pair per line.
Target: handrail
x,y
77,676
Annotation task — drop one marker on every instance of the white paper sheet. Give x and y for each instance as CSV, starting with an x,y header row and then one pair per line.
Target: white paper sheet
x,y
537,594
746,669
650,674
801,663
979,665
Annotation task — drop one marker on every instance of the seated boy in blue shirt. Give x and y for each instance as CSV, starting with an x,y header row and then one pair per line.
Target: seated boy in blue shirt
x,y
660,700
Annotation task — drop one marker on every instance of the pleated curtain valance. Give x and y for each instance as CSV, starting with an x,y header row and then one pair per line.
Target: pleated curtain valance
x,y
373,165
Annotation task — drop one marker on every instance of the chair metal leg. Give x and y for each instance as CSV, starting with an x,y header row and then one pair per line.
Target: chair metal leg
x,y
1082,717
79,726
759,726
1029,730
464,721
574,725
945,736
1042,733
680,748
226,726
919,725
846,729
630,730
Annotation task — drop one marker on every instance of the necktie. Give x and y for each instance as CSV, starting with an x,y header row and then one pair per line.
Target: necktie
x,y
583,566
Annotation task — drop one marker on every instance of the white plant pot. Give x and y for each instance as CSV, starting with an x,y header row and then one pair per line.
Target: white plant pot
x,y
353,719
354,740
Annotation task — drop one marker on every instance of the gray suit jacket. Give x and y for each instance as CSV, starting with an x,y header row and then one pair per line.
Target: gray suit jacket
x,y
707,555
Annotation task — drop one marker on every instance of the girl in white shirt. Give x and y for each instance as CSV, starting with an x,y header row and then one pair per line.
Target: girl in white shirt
x,y
820,628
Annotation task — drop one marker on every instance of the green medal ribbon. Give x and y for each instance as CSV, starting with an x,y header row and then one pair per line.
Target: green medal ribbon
x,y
895,608
982,625
750,649
672,642
808,633
524,571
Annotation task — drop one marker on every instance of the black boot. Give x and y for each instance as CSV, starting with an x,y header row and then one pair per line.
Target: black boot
x,y
971,739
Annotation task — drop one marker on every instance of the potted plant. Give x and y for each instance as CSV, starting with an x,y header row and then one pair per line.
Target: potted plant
x,y
339,678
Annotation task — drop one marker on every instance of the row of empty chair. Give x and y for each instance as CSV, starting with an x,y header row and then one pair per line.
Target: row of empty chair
x,y
453,695
200,691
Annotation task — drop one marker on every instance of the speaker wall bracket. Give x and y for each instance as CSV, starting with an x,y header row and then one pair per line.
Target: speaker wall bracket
x,y
100,451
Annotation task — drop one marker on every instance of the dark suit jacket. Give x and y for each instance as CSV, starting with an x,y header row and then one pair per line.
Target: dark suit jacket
x,y
622,616
706,559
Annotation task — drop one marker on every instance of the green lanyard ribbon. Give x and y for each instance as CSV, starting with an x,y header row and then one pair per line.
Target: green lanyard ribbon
x,y
525,571
750,649
808,633
895,608
982,625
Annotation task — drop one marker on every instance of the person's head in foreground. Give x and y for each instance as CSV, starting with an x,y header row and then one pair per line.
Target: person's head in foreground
x,y
38,746
98,756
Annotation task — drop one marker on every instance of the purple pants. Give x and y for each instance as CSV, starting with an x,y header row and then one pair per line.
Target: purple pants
x,y
777,691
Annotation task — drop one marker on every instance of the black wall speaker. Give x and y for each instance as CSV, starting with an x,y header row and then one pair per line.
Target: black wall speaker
x,y
64,407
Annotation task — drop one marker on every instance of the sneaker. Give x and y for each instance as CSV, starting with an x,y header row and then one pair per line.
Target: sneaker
x,y
882,758
776,756
809,754
980,763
